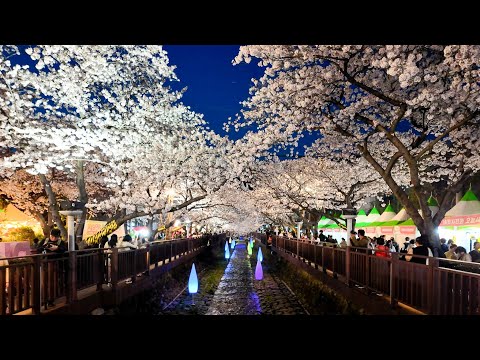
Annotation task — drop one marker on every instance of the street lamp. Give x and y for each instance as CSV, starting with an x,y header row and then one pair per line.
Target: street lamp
x,y
188,223
349,214
71,210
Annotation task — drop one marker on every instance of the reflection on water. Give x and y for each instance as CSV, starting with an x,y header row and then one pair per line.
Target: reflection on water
x,y
235,294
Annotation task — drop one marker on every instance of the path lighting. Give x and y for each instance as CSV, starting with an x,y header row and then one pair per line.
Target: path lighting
x,y
259,271
259,254
227,253
249,249
233,244
193,281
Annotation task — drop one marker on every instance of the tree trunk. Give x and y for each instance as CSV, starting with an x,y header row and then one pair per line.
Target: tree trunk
x,y
43,223
83,196
430,232
458,197
53,205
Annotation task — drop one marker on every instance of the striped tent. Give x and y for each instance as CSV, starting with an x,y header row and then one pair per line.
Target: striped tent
x,y
381,226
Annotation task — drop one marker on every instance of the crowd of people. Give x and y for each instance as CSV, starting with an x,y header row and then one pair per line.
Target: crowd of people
x,y
413,250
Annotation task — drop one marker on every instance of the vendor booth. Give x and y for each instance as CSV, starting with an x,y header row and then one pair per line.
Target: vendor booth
x,y
462,222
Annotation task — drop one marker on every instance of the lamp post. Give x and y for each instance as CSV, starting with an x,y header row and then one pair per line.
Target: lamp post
x,y
168,232
188,226
349,214
299,227
71,214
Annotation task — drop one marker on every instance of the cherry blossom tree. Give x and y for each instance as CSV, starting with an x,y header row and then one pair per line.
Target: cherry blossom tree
x,y
110,106
411,111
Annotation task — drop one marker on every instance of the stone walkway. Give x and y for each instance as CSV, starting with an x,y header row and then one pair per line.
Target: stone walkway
x,y
275,298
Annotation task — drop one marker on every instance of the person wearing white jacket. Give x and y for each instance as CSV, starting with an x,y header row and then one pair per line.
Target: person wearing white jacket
x,y
127,244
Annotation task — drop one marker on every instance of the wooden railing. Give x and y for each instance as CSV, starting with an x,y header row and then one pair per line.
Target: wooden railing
x,y
36,281
443,287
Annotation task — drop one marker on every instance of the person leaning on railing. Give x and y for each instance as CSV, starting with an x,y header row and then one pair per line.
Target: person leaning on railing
x,y
362,240
127,244
419,249
55,245
450,254
475,253
461,254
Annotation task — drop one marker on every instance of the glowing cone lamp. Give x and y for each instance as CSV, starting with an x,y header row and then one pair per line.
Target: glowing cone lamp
x,y
193,281
259,271
259,254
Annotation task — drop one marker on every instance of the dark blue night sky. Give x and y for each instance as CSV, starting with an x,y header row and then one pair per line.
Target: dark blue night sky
x,y
215,86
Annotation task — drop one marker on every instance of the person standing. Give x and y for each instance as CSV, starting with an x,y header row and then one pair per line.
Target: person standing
x,y
450,254
363,241
475,253
322,237
54,245
420,249
443,245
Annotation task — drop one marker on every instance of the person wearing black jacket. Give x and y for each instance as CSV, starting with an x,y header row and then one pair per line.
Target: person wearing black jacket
x,y
420,249
55,245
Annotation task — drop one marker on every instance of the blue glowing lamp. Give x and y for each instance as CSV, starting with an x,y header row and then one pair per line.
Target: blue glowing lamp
x,y
230,240
226,246
193,281
227,253
259,271
259,254
233,244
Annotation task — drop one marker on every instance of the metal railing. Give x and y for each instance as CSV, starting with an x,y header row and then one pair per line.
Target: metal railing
x,y
443,287
36,281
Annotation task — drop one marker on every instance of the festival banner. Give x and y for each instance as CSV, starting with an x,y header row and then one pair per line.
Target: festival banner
x,y
94,226
462,220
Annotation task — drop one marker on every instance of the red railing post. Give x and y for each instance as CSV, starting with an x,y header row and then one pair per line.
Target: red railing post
x,y
333,263
72,277
394,279
347,265
367,271
432,264
134,276
114,268
324,268
36,285
148,260
101,269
